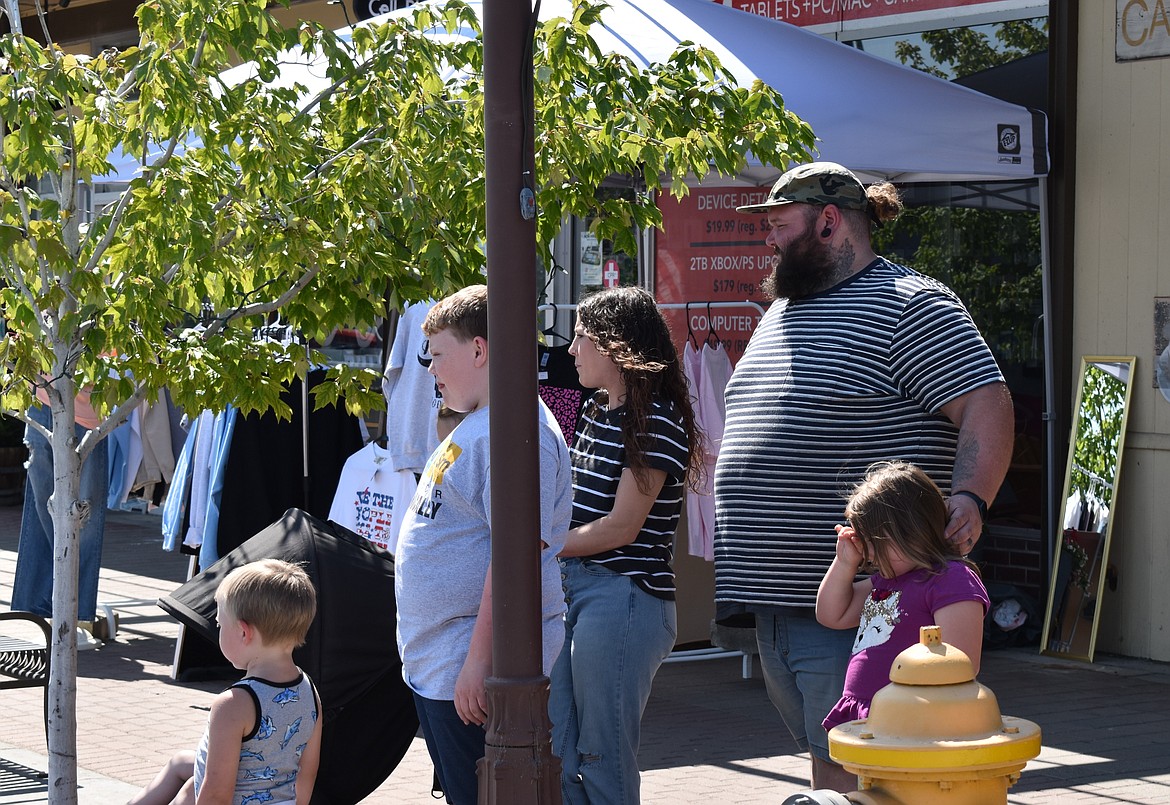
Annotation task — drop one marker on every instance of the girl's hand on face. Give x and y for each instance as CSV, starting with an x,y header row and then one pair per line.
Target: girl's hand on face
x,y
850,549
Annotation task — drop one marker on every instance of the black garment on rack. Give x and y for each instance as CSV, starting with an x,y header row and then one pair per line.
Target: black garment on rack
x,y
560,388
264,474
349,652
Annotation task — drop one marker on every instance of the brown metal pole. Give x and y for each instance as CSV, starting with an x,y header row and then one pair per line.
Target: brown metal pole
x,y
518,767
1063,66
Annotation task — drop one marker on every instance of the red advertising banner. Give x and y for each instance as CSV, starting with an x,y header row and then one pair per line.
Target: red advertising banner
x,y
709,253
842,12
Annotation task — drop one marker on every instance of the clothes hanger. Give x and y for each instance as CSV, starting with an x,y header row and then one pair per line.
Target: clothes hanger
x,y
712,337
691,333
551,330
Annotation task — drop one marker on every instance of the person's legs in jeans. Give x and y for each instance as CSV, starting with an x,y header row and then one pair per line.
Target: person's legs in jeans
x,y
32,587
804,672
562,709
620,636
454,748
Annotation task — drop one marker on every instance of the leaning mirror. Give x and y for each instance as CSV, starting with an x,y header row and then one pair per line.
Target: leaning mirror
x,y
1081,554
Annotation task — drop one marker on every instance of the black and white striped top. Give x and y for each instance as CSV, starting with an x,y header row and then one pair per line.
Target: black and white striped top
x,y
828,385
599,456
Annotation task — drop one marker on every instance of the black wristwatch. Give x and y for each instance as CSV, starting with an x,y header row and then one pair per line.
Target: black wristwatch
x,y
980,503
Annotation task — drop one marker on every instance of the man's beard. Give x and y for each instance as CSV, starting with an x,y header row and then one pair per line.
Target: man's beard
x,y
806,266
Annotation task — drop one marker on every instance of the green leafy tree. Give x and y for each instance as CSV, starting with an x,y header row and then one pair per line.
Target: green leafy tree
x,y
1100,420
256,196
990,258
959,52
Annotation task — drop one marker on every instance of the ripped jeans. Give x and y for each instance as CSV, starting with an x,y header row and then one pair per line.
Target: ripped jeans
x,y
616,637
32,585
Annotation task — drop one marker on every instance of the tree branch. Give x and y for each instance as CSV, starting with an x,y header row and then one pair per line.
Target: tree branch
x,y
261,308
112,421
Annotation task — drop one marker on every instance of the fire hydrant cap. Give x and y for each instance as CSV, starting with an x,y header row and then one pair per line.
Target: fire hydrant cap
x,y
931,662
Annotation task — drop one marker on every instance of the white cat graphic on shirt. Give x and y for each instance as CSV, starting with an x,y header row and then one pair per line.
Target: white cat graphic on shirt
x,y
878,618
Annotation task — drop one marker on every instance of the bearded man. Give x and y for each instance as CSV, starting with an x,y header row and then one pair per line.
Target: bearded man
x,y
858,360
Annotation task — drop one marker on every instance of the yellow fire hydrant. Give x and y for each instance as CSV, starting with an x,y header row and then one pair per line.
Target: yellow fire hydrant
x,y
934,736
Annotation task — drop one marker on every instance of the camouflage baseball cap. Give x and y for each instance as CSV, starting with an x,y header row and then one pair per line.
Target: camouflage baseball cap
x,y
815,183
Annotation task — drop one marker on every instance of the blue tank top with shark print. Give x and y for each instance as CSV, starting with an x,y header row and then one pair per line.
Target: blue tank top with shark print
x,y
270,755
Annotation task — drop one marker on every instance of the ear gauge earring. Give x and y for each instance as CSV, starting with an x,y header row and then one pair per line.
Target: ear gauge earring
x,y
826,232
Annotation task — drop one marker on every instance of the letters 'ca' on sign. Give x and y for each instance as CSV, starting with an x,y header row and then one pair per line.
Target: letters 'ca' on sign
x,y
1143,29
610,274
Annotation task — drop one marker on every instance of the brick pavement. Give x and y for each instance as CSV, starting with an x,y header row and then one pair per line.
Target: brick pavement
x,y
708,735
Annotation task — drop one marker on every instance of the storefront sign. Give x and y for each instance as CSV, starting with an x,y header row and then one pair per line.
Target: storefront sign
x,y
611,275
853,15
1143,29
589,260
708,252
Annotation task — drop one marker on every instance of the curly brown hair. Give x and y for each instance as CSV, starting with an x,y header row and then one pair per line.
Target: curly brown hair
x,y
626,325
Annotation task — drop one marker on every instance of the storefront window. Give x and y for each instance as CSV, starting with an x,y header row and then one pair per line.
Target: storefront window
x,y
596,264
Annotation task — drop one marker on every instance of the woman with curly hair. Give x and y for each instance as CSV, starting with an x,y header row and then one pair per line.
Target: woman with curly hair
x,y
636,445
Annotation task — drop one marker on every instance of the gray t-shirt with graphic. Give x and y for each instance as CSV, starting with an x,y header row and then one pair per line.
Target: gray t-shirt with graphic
x,y
444,550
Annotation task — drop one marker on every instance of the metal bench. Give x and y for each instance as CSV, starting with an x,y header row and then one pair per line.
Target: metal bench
x,y
25,654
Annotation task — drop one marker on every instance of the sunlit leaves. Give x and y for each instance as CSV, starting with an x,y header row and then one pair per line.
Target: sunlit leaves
x,y
367,186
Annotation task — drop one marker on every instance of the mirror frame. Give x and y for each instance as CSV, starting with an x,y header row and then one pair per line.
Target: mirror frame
x,y
1107,536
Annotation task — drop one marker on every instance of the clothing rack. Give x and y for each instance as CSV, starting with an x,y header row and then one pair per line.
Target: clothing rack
x,y
552,306
1094,478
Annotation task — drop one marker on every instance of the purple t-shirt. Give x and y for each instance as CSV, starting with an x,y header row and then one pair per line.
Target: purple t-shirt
x,y
890,621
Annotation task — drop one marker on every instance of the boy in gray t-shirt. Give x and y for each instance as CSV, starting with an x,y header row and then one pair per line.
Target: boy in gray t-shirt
x,y
442,581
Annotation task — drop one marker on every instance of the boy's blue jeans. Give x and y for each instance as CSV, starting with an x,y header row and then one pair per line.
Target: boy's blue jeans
x,y
616,637
32,586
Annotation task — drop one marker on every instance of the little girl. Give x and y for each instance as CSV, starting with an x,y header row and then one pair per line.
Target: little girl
x,y
897,518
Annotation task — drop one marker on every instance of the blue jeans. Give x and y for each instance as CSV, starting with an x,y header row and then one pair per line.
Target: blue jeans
x,y
454,748
32,586
804,671
616,637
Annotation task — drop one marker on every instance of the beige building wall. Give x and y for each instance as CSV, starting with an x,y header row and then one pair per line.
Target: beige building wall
x,y
1121,264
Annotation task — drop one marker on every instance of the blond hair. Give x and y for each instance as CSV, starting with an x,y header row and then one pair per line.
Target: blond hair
x,y
275,597
464,313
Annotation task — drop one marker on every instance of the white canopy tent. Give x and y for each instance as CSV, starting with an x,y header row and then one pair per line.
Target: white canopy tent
x,y
880,119
876,117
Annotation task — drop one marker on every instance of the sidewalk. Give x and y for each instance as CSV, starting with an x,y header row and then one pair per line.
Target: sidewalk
x,y
709,736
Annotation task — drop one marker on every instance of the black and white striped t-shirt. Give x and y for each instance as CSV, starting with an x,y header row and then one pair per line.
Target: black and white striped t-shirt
x,y
828,385
599,456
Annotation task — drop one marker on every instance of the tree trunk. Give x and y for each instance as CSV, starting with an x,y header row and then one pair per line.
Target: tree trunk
x,y
66,512
13,9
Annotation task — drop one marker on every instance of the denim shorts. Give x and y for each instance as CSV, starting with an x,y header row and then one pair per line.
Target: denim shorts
x,y
804,671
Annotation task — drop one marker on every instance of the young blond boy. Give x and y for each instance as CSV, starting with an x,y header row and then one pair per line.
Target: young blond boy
x,y
263,737
442,580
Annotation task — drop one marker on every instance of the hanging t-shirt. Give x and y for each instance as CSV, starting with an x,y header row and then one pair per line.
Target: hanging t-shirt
x,y
200,476
710,414
698,508
560,387
371,498
412,400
